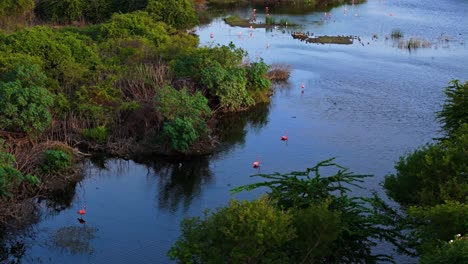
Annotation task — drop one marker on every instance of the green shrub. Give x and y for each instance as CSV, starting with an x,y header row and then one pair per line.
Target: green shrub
x,y
347,226
181,133
269,20
55,161
10,177
24,104
15,7
185,116
455,251
257,76
177,13
66,56
243,232
98,134
433,225
61,11
317,228
455,110
136,24
432,174
219,69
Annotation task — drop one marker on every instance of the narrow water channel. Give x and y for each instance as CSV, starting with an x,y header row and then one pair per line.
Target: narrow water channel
x,y
365,104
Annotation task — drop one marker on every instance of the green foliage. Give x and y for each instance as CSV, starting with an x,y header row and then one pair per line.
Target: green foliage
x,y
455,251
55,161
432,174
220,69
269,20
257,76
353,223
66,55
185,114
15,7
172,103
243,232
317,228
181,133
24,104
61,11
10,177
455,110
136,24
98,134
433,225
177,13
97,102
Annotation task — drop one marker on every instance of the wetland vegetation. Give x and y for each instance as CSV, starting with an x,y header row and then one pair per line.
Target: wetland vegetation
x,y
130,79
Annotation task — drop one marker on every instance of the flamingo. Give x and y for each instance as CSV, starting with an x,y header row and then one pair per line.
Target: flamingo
x,y
302,85
285,137
256,164
82,211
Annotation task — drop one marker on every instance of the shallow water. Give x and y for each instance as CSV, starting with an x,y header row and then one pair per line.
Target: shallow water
x,y
366,105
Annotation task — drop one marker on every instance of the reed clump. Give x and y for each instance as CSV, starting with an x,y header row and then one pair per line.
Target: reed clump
x,y
279,72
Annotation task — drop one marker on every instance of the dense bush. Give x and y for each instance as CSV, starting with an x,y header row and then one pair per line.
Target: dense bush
x,y
10,177
66,11
243,232
455,110
97,134
455,251
220,69
432,174
177,13
185,116
15,7
327,225
55,161
433,225
66,56
24,103
136,24
61,11
257,76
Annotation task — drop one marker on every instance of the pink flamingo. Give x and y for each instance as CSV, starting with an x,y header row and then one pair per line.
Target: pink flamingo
x,y
256,163
285,137
82,211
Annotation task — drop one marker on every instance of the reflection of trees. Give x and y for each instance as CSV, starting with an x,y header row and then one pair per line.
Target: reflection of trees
x,y
75,239
59,200
12,253
180,181
231,129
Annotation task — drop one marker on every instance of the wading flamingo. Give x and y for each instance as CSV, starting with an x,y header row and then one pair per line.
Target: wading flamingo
x,y
256,164
285,137
82,211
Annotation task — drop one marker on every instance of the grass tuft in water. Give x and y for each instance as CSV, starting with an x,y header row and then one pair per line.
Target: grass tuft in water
x,y
396,34
414,43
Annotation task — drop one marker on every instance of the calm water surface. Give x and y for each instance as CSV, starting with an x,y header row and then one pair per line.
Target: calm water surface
x,y
364,104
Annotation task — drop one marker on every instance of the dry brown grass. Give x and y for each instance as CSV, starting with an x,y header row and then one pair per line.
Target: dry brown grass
x,y
141,84
279,72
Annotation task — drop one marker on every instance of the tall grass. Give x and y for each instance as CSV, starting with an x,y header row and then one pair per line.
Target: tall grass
x,y
269,20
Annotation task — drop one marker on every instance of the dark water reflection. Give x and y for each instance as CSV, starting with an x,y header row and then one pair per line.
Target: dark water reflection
x,y
179,182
